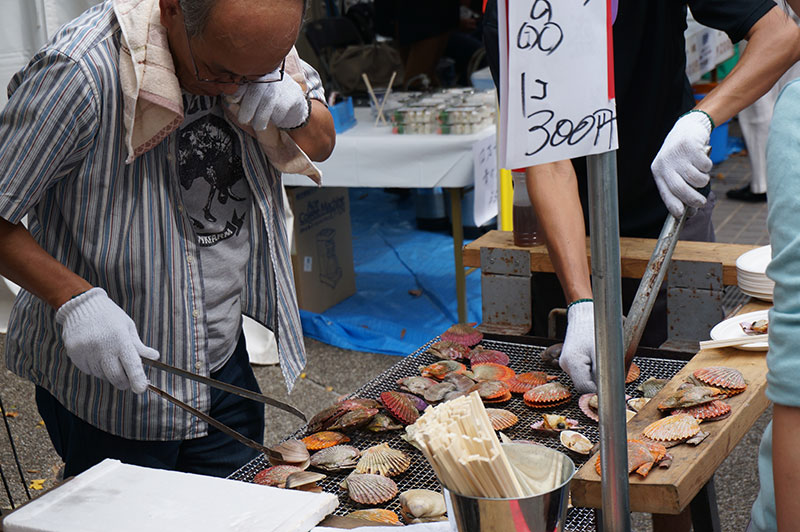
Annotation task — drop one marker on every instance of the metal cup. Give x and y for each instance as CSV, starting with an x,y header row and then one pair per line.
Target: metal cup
x,y
545,512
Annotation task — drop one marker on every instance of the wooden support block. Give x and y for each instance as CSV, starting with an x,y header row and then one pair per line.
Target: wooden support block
x,y
669,491
634,253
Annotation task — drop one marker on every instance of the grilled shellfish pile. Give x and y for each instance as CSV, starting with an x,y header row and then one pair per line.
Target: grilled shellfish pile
x,y
700,399
377,474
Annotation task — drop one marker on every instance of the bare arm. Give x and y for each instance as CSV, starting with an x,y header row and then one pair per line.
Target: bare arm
x,y
318,137
773,45
553,189
24,262
785,465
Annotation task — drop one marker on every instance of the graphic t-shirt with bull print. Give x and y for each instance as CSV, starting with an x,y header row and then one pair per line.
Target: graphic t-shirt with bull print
x,y
217,201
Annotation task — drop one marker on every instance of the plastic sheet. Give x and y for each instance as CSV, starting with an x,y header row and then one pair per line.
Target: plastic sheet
x,y
393,260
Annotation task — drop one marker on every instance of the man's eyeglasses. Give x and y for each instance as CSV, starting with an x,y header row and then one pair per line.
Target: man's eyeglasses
x,y
231,79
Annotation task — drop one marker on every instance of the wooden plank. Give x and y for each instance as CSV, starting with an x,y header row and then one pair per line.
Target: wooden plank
x,y
634,252
668,491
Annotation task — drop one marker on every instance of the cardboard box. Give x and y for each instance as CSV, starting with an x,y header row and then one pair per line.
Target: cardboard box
x,y
322,248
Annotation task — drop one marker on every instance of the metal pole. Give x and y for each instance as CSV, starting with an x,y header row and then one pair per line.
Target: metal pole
x,y
609,348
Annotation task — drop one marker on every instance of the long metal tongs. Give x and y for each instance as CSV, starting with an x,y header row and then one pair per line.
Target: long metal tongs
x,y
248,394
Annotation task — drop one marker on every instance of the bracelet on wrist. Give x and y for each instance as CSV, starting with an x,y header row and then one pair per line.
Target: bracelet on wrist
x,y
583,300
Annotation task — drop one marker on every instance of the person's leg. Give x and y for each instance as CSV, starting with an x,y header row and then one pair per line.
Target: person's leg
x,y
82,445
217,454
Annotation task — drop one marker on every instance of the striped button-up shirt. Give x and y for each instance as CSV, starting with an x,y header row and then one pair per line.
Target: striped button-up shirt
x,y
122,227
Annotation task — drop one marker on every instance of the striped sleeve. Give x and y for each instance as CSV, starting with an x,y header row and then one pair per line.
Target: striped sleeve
x,y
46,129
315,88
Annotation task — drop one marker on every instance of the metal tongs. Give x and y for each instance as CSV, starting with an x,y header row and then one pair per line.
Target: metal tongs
x,y
241,392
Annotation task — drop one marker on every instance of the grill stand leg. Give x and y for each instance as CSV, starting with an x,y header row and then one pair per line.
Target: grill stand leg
x,y
705,515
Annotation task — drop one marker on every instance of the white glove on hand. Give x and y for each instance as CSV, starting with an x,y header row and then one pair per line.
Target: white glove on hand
x,y
101,340
282,102
577,355
682,164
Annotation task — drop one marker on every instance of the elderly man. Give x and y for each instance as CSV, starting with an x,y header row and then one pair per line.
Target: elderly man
x,y
144,143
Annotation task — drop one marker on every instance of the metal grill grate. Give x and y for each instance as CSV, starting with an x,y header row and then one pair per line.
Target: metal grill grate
x,y
524,357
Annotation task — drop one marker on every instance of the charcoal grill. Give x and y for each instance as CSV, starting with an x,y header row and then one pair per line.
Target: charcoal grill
x,y
524,357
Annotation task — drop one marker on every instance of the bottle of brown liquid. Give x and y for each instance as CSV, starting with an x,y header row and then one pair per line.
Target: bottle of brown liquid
x,y
525,222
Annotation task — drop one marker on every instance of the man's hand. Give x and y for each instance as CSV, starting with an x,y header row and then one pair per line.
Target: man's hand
x,y
577,355
102,340
682,163
282,102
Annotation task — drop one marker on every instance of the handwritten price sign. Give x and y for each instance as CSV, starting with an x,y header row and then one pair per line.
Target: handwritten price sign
x,y
555,98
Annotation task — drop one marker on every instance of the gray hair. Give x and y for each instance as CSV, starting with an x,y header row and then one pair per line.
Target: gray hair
x,y
196,12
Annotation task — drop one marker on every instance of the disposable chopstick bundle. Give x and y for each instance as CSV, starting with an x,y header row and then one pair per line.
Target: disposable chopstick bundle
x,y
459,442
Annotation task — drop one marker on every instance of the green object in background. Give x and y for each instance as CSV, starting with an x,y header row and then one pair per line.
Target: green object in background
x,y
724,68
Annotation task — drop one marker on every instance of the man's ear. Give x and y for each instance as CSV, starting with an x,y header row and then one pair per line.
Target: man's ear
x,y
170,10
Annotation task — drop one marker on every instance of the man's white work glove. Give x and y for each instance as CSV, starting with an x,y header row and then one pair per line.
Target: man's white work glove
x,y
682,164
282,102
577,355
101,340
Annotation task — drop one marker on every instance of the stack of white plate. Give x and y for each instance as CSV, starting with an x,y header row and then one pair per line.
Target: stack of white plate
x,y
751,274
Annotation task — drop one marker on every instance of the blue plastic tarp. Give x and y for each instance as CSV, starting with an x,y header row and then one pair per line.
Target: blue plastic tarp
x,y
405,281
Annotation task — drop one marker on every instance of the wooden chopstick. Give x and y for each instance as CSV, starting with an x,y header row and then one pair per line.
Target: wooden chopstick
x,y
383,102
734,342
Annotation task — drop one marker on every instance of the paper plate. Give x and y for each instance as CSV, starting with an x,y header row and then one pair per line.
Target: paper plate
x,y
755,260
730,328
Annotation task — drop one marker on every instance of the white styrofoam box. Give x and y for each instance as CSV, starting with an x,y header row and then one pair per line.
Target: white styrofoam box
x,y
126,498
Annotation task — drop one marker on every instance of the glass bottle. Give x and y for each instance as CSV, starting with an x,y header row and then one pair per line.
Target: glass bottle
x,y
525,222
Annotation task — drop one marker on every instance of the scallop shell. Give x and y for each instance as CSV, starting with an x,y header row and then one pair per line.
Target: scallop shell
x,y
586,408
448,350
501,419
294,452
651,386
463,334
461,382
354,419
551,355
721,377
690,395
326,438
523,382
325,417
554,423
366,488
637,403
383,423
436,393
707,411
422,504
546,395
479,355
400,407
303,480
383,460
418,402
356,403
377,515
633,373
671,428
575,441
642,456
492,372
337,458
489,390
415,384
275,475
438,370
